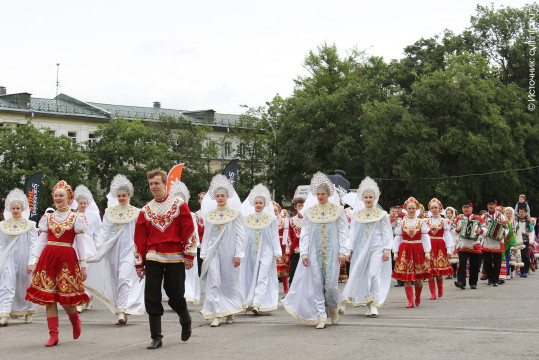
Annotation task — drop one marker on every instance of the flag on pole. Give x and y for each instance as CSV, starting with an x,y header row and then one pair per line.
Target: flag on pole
x,y
231,172
32,189
175,174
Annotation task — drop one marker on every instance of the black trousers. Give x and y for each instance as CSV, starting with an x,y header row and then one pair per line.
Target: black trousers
x,y
525,254
493,263
172,276
199,262
475,262
294,260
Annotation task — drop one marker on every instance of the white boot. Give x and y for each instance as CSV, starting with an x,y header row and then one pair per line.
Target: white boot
x,y
3,321
216,322
334,317
230,319
79,308
368,313
122,318
89,304
374,311
28,319
321,324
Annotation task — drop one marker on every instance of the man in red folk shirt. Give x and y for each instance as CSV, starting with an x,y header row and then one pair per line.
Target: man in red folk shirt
x,y
165,246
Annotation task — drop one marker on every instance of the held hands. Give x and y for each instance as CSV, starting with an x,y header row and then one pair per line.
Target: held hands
x,y
342,261
478,231
457,230
237,262
188,263
349,258
30,269
141,272
427,256
84,273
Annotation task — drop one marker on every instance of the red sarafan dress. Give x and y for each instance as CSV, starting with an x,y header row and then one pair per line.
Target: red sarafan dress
x,y
282,225
441,241
411,242
61,246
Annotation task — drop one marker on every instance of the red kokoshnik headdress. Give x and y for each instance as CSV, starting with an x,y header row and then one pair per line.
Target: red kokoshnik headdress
x,y
411,200
62,185
436,201
277,206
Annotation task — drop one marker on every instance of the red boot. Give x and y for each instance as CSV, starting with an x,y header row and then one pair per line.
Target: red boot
x,y
52,322
285,283
440,283
410,296
432,287
75,321
418,295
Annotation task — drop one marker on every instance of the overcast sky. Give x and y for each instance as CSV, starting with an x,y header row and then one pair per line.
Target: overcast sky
x,y
195,55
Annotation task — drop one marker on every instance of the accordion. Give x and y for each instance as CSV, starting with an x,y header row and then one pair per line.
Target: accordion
x,y
468,228
496,230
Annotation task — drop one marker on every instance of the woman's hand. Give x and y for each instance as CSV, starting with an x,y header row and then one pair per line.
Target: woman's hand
x,y
237,262
84,273
305,262
141,272
385,257
30,269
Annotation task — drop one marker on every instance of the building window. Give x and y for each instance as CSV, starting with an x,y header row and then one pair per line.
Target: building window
x,y
73,136
243,149
228,149
92,138
52,132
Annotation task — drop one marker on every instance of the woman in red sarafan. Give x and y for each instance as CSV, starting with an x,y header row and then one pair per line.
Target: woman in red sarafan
x,y
441,248
412,244
283,263
61,252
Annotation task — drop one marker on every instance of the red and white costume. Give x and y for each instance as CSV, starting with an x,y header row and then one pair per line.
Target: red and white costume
x,y
164,232
62,249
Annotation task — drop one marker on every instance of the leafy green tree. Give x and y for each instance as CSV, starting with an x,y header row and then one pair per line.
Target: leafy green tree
x,y
133,148
27,150
255,135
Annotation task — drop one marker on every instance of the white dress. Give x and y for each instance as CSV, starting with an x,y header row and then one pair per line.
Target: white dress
x,y
222,242
192,281
370,277
17,238
258,268
323,240
112,277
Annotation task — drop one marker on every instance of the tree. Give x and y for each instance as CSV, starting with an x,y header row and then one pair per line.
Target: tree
x,y
27,150
133,148
256,149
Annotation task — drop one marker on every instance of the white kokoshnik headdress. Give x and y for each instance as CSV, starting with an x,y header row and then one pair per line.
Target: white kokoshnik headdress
x,y
259,191
82,193
320,180
368,186
178,188
121,184
16,196
220,185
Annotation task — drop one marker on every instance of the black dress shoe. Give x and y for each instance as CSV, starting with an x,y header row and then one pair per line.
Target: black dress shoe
x,y
494,284
459,285
489,283
185,321
156,343
473,286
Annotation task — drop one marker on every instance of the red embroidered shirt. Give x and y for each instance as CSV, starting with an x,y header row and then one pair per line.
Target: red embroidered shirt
x,y
164,232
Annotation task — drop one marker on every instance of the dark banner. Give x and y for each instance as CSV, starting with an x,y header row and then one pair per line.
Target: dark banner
x,y
339,181
32,189
231,172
